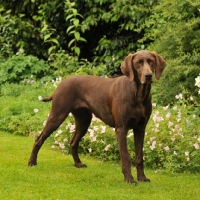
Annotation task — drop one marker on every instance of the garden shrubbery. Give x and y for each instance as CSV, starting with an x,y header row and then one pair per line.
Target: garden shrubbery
x,y
85,36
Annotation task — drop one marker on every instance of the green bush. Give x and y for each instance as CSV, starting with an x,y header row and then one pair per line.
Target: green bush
x,y
173,28
41,27
177,77
65,65
20,67
21,110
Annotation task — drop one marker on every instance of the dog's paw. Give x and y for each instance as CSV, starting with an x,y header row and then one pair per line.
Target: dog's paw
x,y
80,165
30,164
131,180
143,179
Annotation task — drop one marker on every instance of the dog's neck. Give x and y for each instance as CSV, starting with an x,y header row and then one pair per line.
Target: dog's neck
x,y
143,91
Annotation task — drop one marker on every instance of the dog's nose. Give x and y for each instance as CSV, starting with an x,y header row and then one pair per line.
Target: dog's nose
x,y
148,75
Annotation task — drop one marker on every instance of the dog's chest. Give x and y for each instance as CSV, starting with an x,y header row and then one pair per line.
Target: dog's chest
x,y
136,116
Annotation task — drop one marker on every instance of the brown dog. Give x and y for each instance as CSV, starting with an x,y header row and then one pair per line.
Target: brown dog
x,y
123,103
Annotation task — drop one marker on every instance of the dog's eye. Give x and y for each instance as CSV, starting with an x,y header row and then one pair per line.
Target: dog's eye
x,y
139,62
150,61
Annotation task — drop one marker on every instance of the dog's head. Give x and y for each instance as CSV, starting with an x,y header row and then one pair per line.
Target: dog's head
x,y
143,64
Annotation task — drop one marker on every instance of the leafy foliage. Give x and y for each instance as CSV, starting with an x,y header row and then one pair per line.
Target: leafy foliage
x,y
20,67
174,29
56,31
174,26
75,27
176,77
68,22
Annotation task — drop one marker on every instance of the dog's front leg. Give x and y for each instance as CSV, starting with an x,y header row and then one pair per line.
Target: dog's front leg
x,y
125,160
139,141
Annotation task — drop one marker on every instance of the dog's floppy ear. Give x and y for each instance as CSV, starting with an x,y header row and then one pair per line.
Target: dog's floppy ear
x,y
160,65
127,67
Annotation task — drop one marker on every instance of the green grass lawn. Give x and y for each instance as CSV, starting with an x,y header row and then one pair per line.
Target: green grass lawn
x,y
55,177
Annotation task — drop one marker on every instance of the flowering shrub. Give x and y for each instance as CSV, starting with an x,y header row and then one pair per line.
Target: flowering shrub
x,y
172,140
173,137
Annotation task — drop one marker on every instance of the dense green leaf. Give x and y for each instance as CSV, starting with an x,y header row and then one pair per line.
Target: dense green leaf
x,y
47,36
69,28
77,35
76,22
55,41
69,16
71,42
77,50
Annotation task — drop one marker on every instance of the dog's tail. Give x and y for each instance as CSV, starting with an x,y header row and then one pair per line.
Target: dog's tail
x,y
47,98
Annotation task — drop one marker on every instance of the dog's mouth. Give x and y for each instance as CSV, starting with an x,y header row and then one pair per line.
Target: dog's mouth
x,y
147,78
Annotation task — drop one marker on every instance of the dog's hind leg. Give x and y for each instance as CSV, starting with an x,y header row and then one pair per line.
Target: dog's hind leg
x,y
53,122
83,119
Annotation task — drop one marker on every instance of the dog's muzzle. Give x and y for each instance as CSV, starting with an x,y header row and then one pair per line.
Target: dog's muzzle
x,y
148,77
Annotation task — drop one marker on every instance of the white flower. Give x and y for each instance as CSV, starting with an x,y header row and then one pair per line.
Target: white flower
x,y
153,146
187,153
156,118
152,138
91,131
59,79
196,145
154,104
107,147
94,139
36,110
95,128
40,98
179,96
197,81
44,123
170,124
62,146
165,108
166,148
103,129
173,138
90,150
168,115
72,128
130,135
65,140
